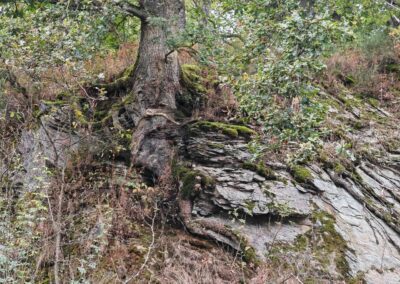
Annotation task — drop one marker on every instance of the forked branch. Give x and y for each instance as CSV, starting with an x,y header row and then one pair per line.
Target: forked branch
x,y
133,10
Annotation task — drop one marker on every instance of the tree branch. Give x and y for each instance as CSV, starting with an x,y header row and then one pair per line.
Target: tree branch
x,y
133,10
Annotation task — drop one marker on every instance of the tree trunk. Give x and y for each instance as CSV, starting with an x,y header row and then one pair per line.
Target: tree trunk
x,y
156,82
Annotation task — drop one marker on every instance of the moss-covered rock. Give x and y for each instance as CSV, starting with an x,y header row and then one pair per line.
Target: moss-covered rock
x,y
301,174
231,130
373,102
260,168
323,244
189,179
192,78
193,96
333,243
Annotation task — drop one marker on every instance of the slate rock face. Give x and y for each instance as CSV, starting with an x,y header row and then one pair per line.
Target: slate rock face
x,y
45,148
279,211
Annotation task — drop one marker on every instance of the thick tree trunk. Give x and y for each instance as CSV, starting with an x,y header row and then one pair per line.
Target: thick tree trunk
x,y
156,84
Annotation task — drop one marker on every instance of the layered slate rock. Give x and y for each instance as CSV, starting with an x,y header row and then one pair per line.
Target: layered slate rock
x,y
46,148
262,208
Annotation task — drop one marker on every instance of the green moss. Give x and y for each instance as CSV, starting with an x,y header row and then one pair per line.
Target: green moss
x,y
301,243
392,145
375,116
333,243
323,157
248,252
216,145
355,176
340,133
189,178
250,205
330,102
250,256
393,67
358,279
227,129
126,100
119,83
188,184
55,103
260,168
79,116
373,102
323,243
301,174
388,217
129,71
339,169
192,79
349,102
349,80
207,181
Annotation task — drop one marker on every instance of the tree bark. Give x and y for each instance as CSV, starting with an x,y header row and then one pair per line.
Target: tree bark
x,y
155,84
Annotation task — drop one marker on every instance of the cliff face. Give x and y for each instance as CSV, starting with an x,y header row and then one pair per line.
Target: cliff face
x,y
325,220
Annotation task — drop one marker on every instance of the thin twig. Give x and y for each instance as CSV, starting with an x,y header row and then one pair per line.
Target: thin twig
x,y
57,226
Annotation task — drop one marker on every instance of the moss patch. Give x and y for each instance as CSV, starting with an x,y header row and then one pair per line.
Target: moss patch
x,y
393,68
339,169
301,174
260,169
373,102
323,245
392,145
192,79
349,101
249,254
231,130
333,243
189,179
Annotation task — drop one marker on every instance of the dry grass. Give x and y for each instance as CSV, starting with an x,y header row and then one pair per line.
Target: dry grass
x,y
107,229
114,63
221,102
187,260
373,75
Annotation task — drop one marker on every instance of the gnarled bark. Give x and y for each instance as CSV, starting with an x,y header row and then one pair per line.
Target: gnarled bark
x,y
155,83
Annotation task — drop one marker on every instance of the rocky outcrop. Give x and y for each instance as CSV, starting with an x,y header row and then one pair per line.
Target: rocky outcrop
x,y
347,220
46,148
262,207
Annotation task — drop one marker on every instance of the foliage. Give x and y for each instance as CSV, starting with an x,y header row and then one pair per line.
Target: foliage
x,y
271,61
272,51
35,35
